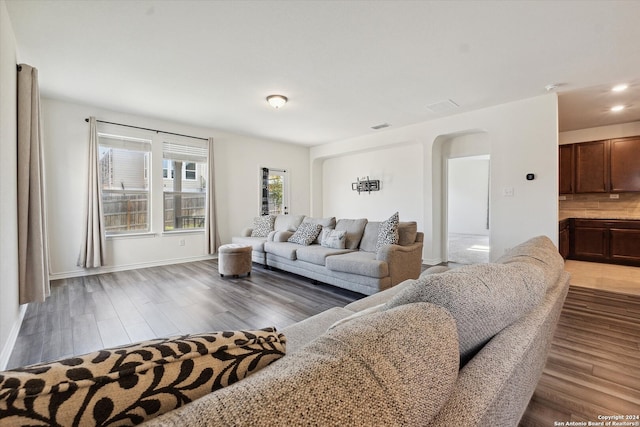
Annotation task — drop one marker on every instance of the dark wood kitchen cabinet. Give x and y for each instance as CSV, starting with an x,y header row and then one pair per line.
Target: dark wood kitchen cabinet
x,y
566,169
625,164
610,241
592,167
564,238
608,166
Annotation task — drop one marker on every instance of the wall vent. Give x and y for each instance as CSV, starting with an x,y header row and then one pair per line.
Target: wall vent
x,y
442,106
380,126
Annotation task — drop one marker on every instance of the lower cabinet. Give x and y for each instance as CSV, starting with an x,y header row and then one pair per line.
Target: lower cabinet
x,y
564,241
611,241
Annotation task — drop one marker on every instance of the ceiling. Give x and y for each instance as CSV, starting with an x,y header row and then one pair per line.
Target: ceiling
x,y
344,65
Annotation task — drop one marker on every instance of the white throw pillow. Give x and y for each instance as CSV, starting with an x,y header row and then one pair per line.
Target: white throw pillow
x,y
335,239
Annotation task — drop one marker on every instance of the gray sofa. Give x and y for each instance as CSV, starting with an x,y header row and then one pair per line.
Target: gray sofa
x,y
358,267
463,347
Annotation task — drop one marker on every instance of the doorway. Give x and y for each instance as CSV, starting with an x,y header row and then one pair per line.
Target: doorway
x,y
468,209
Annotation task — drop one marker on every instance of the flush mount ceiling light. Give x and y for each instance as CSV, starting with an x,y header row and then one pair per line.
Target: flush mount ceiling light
x,y
277,101
620,87
617,108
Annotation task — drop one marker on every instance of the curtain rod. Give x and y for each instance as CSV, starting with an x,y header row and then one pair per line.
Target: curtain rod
x,y
152,130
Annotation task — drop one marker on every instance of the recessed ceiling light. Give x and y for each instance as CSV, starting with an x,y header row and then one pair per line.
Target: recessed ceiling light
x,y
617,108
620,87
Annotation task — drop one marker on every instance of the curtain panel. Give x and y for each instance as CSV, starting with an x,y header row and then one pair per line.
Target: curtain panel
x,y
92,252
33,274
211,227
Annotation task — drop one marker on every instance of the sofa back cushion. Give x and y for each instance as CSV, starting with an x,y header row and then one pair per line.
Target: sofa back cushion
x,y
287,222
370,236
130,384
407,233
483,298
539,251
328,223
354,229
393,368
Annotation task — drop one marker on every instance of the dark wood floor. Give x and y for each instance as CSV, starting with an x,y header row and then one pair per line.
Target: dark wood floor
x,y
89,313
594,365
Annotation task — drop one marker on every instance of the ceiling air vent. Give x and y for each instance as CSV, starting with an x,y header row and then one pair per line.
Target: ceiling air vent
x,y
380,126
442,106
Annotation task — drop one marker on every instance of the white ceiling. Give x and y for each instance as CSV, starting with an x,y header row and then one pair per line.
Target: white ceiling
x,y
345,65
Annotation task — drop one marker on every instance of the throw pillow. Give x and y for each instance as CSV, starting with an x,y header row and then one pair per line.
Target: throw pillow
x,y
483,298
130,384
334,239
263,225
305,234
388,232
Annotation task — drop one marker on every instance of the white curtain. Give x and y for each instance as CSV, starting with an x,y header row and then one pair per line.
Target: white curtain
x,y
92,253
33,275
211,226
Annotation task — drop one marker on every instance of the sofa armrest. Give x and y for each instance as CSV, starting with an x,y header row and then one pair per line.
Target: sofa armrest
x,y
246,232
405,262
279,236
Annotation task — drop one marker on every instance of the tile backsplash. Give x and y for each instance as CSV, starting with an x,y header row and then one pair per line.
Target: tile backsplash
x,y
627,206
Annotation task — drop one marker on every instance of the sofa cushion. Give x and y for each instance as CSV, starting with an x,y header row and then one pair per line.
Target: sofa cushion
x,y
334,239
263,225
317,254
388,232
395,368
539,251
282,249
483,298
326,223
256,243
306,234
129,384
370,236
360,263
354,229
407,233
287,222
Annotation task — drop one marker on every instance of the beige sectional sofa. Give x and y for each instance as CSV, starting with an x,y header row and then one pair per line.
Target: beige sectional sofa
x,y
464,347
358,267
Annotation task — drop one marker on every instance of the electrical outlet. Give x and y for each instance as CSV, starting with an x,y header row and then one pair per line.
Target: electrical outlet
x,y
507,192
614,196
181,242
562,198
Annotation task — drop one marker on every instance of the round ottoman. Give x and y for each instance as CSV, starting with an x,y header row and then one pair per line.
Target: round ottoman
x,y
234,259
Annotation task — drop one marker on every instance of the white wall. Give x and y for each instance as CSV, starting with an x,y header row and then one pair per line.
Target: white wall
x,y
601,132
399,170
523,136
468,195
9,306
237,162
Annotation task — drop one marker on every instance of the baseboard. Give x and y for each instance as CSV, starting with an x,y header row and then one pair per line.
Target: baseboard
x,y
431,262
109,269
11,340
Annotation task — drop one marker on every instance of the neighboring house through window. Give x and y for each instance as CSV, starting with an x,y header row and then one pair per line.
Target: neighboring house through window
x,y
124,177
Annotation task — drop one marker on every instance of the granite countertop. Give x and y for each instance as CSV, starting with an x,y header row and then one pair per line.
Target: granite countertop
x,y
607,218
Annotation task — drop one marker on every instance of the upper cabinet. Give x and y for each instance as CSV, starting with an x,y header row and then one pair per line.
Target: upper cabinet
x,y
600,166
625,164
592,167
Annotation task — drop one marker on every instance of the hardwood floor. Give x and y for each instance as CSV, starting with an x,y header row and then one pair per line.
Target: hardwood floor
x,y
593,367
89,313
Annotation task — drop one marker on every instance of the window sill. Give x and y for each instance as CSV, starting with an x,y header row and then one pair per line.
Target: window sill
x,y
183,231
131,235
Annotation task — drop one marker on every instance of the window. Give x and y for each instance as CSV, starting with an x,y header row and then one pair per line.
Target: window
x,y
123,165
184,174
274,195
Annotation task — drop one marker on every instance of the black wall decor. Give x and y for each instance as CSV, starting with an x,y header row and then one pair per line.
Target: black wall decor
x,y
365,185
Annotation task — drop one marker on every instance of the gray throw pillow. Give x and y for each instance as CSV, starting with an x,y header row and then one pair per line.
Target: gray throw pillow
x,y
263,225
483,298
333,239
388,232
305,234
